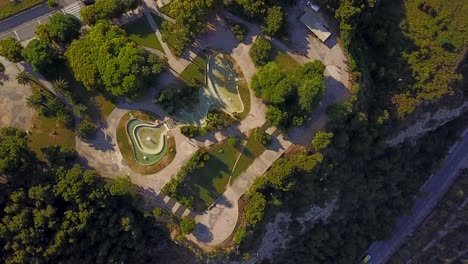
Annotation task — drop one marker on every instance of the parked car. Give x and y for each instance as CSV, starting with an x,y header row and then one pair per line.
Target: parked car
x,y
88,2
313,6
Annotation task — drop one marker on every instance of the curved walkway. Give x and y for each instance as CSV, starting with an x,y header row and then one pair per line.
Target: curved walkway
x,y
218,223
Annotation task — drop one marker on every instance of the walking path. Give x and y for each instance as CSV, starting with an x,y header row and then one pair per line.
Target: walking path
x,y
218,223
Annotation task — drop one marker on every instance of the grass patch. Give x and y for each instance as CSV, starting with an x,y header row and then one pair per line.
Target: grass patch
x,y
105,105
8,8
284,60
141,32
195,72
208,183
126,147
251,151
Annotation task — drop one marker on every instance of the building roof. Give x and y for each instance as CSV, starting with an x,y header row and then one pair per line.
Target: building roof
x,y
315,25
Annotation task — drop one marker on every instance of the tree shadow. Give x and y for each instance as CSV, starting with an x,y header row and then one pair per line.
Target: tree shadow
x,y
203,233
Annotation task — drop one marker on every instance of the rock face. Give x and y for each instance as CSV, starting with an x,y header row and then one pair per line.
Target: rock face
x,y
427,123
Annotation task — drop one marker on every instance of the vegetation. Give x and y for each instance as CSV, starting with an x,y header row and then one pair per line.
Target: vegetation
x,y
62,28
142,33
187,225
322,140
239,31
290,98
106,9
191,17
125,70
274,21
252,149
260,51
50,216
443,235
40,55
216,120
11,48
190,131
261,136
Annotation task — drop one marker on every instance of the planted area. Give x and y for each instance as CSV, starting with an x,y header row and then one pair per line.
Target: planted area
x,y
58,214
106,9
254,146
153,163
126,69
141,32
290,97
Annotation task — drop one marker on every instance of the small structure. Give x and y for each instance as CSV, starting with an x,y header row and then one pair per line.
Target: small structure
x,y
315,25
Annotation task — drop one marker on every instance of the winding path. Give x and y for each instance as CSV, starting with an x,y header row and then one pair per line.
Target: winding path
x,y
218,223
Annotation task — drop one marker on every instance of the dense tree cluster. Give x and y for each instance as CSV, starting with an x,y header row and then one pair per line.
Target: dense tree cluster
x,y
106,9
11,48
68,215
290,97
260,52
105,58
41,55
62,28
191,17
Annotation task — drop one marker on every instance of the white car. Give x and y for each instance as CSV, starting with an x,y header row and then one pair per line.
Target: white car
x,y
313,6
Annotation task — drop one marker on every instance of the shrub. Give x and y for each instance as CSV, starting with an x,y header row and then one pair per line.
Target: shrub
x,y
239,31
232,141
261,136
52,3
85,129
11,48
260,51
2,68
254,209
187,225
190,131
273,23
217,120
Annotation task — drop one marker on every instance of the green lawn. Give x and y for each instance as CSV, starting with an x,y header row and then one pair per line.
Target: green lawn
x,y
252,150
105,105
196,70
141,32
284,60
208,183
7,8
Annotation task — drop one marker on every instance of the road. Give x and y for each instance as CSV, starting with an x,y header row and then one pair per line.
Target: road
x,y
435,188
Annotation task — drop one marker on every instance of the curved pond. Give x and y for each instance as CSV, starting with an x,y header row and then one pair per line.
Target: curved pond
x,y
149,141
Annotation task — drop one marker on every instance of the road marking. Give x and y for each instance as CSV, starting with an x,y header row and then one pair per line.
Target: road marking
x,y
17,35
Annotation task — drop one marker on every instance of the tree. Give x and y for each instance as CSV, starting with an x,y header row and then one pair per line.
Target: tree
x,y
17,161
260,51
11,48
321,140
40,55
106,9
187,225
276,117
61,28
271,84
261,136
126,69
253,8
273,23
23,78
35,100
59,155
85,129
60,85
310,92
254,209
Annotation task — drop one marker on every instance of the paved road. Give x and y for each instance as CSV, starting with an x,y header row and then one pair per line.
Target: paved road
x,y
435,187
24,17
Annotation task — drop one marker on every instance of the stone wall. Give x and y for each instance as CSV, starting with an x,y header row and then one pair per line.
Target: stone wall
x,y
428,122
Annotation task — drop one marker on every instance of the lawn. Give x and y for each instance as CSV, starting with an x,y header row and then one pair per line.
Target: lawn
x,y
195,71
284,60
7,8
252,150
208,183
105,105
141,32
126,147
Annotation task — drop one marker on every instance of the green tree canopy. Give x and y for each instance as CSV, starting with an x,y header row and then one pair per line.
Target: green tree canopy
x,y
11,48
106,9
40,55
106,58
322,140
187,225
274,21
260,51
61,28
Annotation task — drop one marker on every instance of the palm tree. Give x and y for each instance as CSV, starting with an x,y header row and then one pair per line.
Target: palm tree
x,y
23,78
60,84
35,101
64,118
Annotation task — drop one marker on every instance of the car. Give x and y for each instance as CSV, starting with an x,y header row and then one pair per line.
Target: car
x,y
366,259
88,2
313,6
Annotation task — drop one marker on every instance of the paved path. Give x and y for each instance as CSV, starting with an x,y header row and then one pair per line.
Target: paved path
x,y
435,188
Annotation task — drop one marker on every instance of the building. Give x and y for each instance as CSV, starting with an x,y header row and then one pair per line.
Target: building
x,y
315,25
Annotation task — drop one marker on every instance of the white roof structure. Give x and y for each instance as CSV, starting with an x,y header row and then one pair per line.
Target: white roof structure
x,y
315,25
